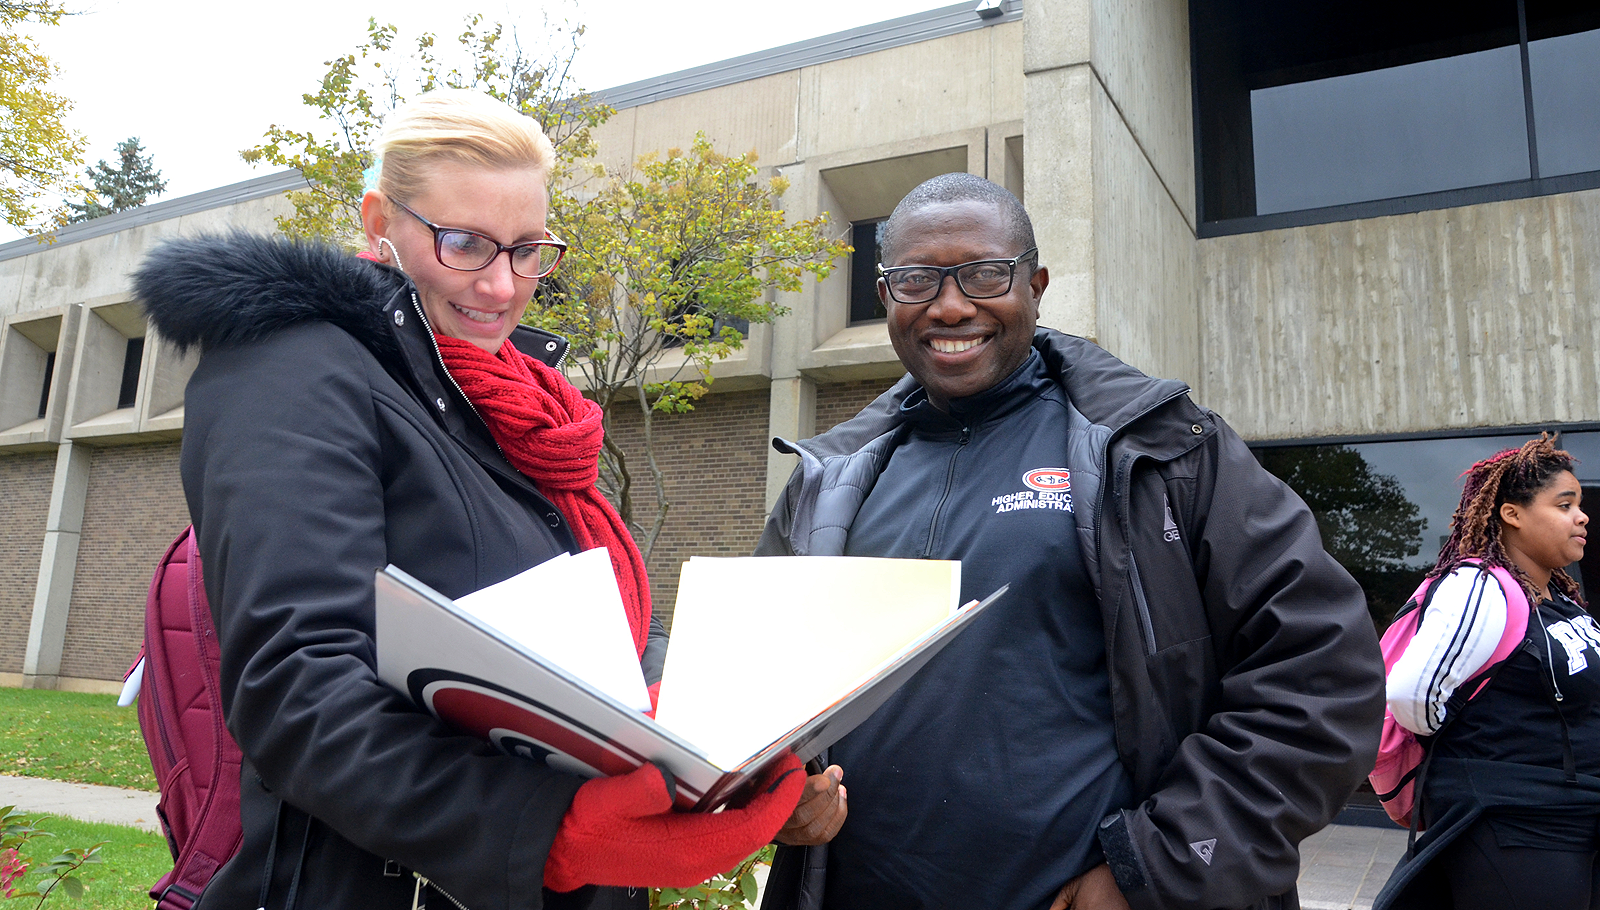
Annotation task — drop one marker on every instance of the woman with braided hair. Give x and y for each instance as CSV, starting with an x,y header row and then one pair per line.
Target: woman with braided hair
x,y
1510,797
349,414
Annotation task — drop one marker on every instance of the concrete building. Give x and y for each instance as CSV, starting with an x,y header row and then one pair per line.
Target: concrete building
x,y
1368,238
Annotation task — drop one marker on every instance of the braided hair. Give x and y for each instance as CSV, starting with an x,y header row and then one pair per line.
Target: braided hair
x,y
1515,476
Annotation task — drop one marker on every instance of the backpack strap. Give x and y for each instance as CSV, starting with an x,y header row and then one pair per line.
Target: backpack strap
x,y
218,836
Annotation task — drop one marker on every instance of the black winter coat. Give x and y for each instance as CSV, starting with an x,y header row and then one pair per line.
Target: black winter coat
x,y
324,439
1246,682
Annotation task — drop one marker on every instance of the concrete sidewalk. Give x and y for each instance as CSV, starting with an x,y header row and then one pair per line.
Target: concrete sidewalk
x,y
84,802
1344,865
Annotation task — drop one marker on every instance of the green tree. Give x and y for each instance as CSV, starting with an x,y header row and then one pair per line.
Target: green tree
x,y
117,189
668,265
1367,522
361,88
39,156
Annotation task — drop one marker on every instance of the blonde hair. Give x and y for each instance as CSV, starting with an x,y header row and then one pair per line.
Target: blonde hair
x,y
458,125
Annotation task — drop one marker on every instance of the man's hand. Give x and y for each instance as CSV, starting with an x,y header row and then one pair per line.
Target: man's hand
x,y
1093,890
821,811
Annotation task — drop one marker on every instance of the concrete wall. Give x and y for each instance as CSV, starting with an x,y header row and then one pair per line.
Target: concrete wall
x,y
852,136
1469,317
1111,192
99,267
872,101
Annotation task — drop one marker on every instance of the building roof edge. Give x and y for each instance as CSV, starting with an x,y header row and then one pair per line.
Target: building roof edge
x,y
232,194
866,39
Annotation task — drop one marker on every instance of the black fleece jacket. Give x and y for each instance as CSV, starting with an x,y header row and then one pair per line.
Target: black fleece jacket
x,y
1246,682
324,439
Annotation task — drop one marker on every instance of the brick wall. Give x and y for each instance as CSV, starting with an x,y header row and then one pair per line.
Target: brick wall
x,y
715,458
841,401
24,505
133,509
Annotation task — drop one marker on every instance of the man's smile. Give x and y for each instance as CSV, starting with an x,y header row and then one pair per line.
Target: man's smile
x,y
956,346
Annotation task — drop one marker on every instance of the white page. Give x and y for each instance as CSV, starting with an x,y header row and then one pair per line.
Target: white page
x,y
569,611
761,645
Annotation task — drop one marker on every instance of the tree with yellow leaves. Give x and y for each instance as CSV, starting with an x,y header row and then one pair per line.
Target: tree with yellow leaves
x,y
667,269
39,156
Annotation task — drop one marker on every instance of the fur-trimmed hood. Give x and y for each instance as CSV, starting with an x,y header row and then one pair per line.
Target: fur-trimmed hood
x,y
211,290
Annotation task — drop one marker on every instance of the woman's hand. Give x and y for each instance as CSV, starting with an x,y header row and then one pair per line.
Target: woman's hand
x,y
623,831
822,810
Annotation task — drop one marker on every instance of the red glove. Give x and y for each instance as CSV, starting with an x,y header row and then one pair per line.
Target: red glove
x,y
621,831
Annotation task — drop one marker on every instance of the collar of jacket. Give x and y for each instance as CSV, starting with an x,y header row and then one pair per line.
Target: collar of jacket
x,y
1105,390
211,290
422,366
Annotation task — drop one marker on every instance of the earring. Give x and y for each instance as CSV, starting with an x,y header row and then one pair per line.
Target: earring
x,y
392,252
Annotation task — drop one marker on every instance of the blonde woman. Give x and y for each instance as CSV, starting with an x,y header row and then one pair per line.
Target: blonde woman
x,y
349,414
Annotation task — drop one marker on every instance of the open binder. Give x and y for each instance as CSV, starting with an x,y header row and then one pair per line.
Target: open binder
x,y
534,693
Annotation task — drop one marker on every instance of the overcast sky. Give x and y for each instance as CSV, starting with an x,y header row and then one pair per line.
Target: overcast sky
x,y
198,81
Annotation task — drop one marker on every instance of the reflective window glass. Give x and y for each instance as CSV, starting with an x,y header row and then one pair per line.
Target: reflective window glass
x,y
1585,447
1383,508
1355,108
1564,72
1398,131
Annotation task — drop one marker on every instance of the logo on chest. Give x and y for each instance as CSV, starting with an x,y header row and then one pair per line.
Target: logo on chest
x,y
1576,636
1047,488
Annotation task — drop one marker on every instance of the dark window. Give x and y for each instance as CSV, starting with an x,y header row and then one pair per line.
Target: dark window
x,y
692,305
718,323
1310,107
49,372
1384,507
864,303
130,373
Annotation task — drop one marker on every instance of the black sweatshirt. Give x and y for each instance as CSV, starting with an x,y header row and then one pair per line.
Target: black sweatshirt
x,y
981,782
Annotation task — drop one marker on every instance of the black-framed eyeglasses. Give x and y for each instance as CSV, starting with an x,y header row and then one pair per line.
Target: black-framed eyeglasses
x,y
980,279
470,251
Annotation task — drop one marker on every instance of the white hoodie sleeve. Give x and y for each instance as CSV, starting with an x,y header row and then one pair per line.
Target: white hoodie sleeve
x,y
1459,632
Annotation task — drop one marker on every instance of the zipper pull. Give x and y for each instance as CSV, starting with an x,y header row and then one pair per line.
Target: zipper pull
x,y
966,434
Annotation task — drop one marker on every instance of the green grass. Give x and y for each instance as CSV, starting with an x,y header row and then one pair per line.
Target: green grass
x,y
72,736
131,861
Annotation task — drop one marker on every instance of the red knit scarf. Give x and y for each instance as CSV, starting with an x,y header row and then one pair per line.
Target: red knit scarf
x,y
553,434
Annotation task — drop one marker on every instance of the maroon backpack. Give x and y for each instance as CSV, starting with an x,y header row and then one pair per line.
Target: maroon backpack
x,y
180,714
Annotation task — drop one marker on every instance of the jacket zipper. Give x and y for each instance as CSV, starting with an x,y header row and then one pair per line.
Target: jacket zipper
x,y
1146,621
1124,472
416,897
439,356
944,496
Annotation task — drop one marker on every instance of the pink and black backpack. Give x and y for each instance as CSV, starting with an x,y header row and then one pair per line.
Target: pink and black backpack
x,y
178,683
1402,757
